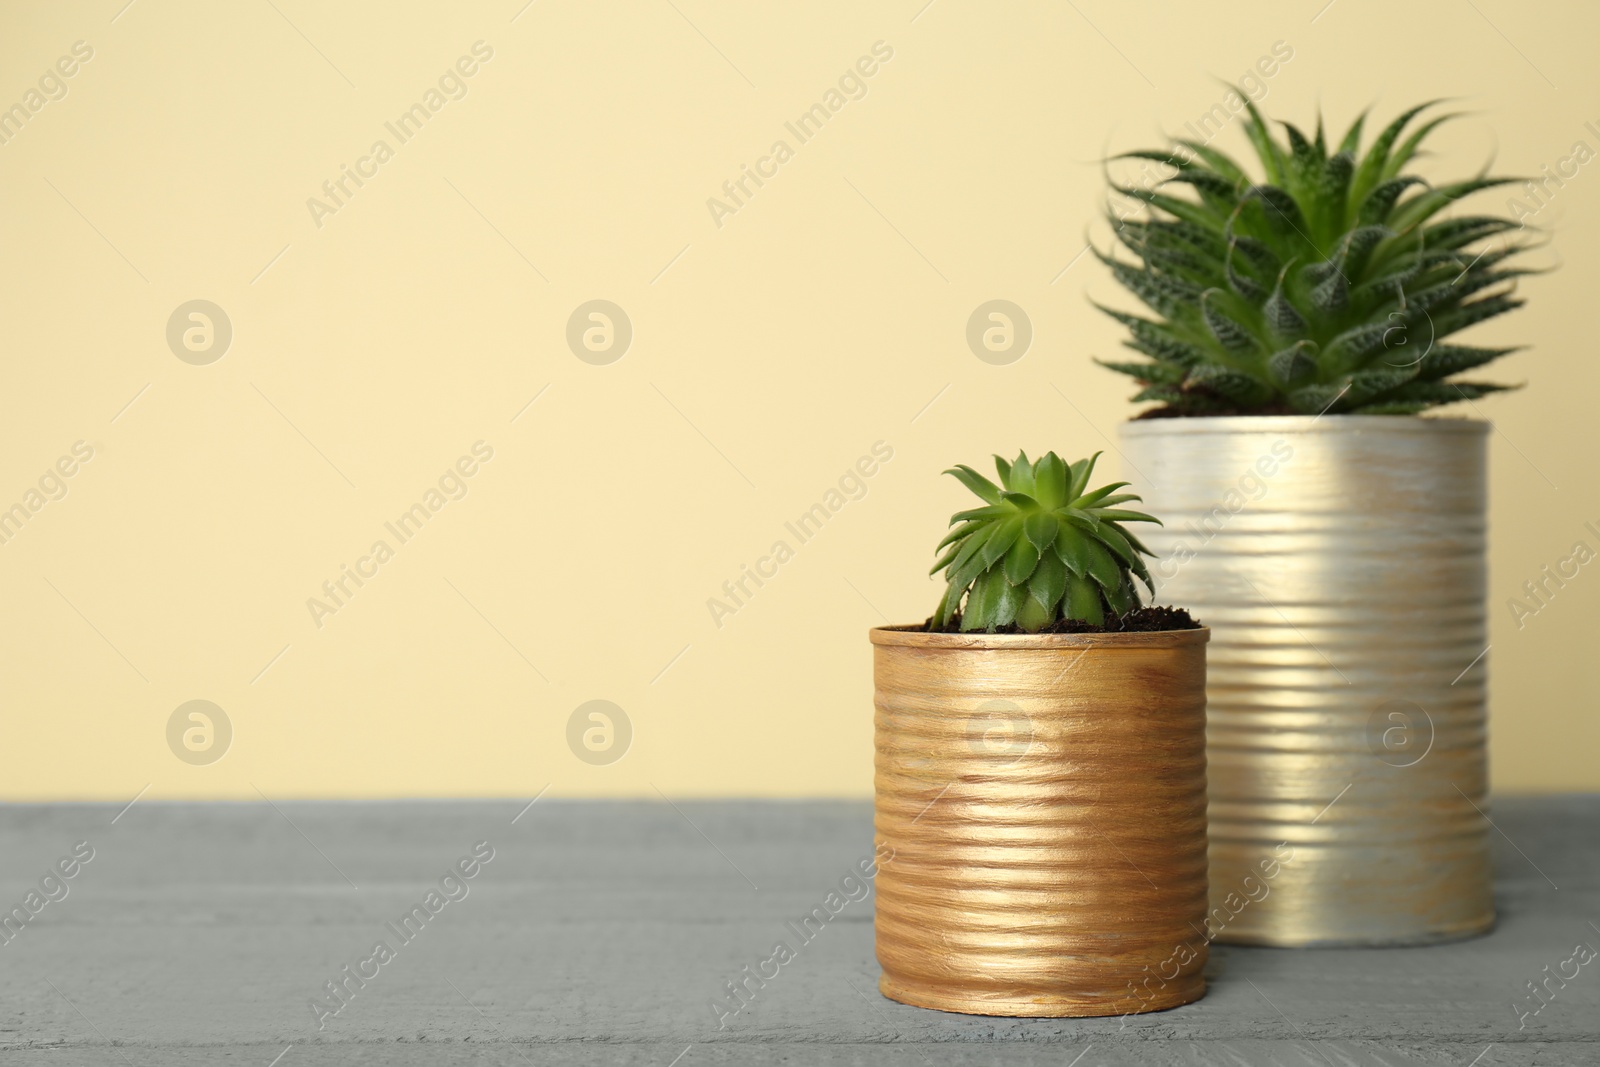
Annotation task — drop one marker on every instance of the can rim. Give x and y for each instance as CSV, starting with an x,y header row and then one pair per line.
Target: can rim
x,y
913,636
1303,424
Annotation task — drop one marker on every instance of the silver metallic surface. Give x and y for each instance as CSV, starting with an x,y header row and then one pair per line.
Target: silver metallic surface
x,y
1339,562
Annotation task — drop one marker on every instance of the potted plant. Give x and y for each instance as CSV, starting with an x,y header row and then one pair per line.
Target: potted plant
x,y
1331,535
1040,785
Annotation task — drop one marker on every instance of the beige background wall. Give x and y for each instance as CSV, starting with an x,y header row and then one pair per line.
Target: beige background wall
x,y
769,353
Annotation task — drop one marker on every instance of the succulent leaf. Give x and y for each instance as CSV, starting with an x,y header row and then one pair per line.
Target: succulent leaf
x,y
1231,385
976,482
1020,561
1049,581
1069,546
1090,499
1005,535
1229,333
1040,529
1085,601
1293,366
1445,360
1032,615
958,533
1149,373
1123,598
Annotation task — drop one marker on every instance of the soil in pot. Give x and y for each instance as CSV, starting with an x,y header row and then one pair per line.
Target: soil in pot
x,y
1139,620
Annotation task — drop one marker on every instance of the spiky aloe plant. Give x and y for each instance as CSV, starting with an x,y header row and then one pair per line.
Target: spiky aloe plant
x,y
1041,549
1328,286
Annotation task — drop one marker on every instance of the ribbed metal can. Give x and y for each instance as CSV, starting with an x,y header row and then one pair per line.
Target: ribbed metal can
x,y
1040,821
1339,562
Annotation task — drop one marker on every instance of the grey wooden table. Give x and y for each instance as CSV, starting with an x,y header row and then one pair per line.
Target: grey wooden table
x,y
606,933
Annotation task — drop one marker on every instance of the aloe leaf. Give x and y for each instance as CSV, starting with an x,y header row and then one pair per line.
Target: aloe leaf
x,y
976,482
1084,601
1171,395
946,559
1377,205
1020,560
1402,155
1185,210
949,604
1242,284
1171,159
1040,529
1157,340
1022,474
1359,344
1050,481
993,511
1123,598
1327,201
1049,581
1352,137
1293,366
1119,515
963,573
1304,160
1032,616
1280,210
1090,499
1020,501
1071,546
1470,314
982,602
1082,470
1102,564
1459,232
1424,206
1217,161
1373,163
1129,536
970,549
1237,387
1137,566
1079,517
1374,382
958,533
1279,313
1112,538
1008,601
1433,393
1000,542
1163,373
1444,360
1164,294
1319,399
1267,149
1332,294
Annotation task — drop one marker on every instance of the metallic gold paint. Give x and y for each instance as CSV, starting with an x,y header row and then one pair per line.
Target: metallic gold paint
x,y
1044,798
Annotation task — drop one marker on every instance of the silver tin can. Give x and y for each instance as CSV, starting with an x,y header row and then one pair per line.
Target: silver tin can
x,y
1340,564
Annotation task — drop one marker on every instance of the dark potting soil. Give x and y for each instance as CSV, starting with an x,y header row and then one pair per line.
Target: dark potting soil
x,y
1220,410
1139,620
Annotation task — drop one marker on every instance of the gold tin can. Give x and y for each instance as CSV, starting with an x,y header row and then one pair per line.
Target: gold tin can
x,y
1040,821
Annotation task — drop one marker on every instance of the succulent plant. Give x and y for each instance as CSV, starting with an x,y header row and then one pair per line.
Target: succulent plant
x,y
1328,286
1041,549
